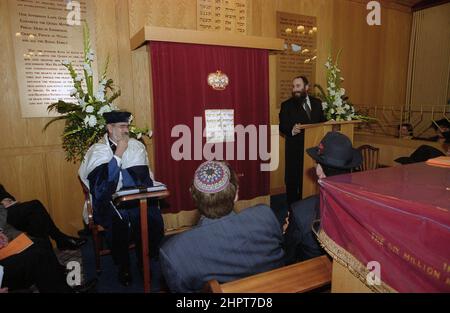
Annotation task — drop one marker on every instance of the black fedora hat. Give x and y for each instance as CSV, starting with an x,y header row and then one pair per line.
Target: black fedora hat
x,y
336,151
421,154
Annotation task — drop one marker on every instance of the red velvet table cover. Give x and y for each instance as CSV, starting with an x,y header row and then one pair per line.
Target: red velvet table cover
x,y
397,216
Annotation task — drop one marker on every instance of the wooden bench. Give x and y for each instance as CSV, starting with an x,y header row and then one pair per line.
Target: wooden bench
x,y
295,278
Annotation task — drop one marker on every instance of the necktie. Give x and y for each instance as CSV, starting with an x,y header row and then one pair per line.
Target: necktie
x,y
307,109
113,146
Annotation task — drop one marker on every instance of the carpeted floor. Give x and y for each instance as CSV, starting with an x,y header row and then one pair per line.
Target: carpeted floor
x,y
107,280
67,256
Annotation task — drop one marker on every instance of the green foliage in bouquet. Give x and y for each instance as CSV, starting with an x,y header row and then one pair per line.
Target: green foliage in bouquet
x,y
84,122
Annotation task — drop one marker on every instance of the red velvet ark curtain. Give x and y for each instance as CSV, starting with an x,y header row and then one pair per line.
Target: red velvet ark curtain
x,y
181,92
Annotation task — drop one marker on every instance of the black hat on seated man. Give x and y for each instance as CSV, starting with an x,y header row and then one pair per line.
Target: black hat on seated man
x,y
117,117
442,123
336,151
422,154
4,194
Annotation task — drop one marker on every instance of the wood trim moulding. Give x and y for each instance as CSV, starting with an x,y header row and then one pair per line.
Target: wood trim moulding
x,y
153,33
387,4
18,151
426,4
277,191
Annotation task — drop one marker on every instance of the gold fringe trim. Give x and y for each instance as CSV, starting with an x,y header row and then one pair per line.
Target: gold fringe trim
x,y
347,260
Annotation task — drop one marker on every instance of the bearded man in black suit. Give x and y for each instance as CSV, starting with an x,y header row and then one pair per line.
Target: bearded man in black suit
x,y
300,109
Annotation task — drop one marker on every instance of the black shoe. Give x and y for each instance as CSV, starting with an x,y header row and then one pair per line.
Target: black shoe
x,y
125,276
87,287
70,243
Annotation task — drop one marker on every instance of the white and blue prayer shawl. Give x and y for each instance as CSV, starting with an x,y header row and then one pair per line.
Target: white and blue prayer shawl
x,y
101,153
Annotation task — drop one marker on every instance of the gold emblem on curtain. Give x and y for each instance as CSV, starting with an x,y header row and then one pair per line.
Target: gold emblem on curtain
x,y
218,80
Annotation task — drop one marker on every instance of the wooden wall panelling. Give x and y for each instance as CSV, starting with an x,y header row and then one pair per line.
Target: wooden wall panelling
x,y
124,57
142,96
430,60
65,193
374,58
107,41
168,13
23,178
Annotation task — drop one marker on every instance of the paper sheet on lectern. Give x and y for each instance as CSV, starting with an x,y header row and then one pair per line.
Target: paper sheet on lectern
x,y
219,126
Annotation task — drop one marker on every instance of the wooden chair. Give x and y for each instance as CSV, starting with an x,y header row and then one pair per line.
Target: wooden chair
x,y
96,230
143,197
370,157
300,277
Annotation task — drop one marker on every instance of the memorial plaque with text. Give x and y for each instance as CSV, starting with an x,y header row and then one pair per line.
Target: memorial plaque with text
x,y
44,37
300,53
222,15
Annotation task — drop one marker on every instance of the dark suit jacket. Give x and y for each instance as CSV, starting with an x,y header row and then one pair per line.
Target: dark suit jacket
x,y
291,113
228,248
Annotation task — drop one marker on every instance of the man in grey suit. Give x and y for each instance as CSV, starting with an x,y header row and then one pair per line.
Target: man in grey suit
x,y
224,245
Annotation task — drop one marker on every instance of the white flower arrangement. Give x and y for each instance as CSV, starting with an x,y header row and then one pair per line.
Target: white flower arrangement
x,y
85,123
335,103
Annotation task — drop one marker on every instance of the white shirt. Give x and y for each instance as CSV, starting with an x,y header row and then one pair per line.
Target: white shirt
x,y
308,103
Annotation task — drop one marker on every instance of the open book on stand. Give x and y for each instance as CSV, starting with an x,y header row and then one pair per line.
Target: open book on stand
x,y
157,186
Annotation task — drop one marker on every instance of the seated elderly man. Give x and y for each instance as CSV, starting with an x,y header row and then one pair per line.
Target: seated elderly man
x,y
224,245
334,156
119,162
32,218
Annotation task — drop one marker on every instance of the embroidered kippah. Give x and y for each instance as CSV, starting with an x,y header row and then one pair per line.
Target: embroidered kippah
x,y
211,177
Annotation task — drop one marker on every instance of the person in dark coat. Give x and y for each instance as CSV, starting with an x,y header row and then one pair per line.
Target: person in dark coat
x,y
36,265
421,154
440,127
334,156
300,109
32,218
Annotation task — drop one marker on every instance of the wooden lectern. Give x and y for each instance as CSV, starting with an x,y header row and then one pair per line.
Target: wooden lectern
x,y
143,206
313,135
